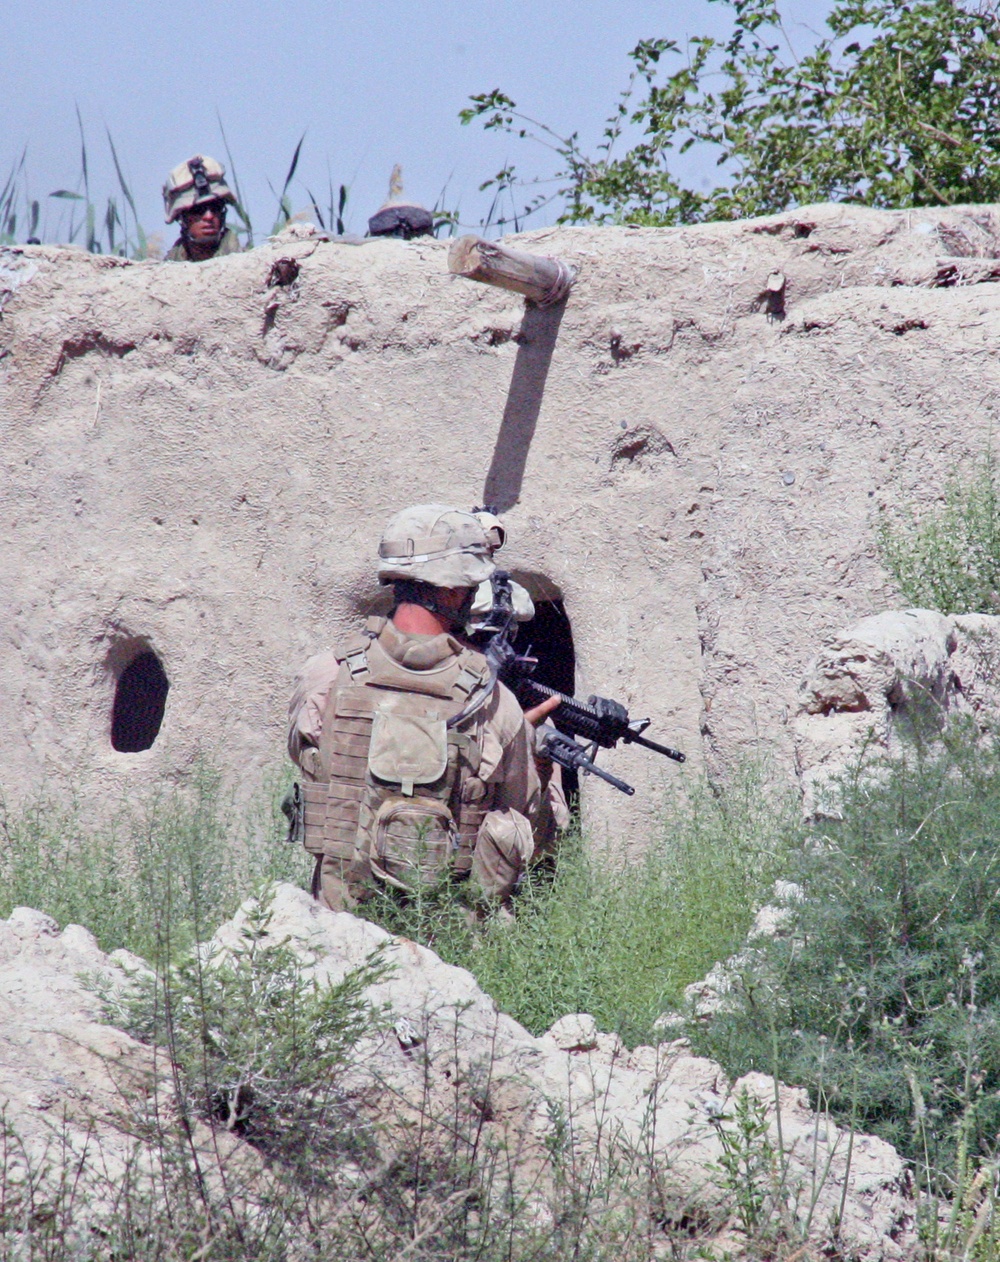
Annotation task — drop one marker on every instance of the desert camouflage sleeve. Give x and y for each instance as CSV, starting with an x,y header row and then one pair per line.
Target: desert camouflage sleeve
x,y
309,698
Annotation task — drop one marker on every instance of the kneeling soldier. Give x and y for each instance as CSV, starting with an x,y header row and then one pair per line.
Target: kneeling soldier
x,y
416,762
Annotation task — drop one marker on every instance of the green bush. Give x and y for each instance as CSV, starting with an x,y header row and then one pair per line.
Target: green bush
x,y
884,999
257,1044
616,937
949,559
156,876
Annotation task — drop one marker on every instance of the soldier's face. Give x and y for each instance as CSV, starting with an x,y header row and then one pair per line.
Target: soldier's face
x,y
204,222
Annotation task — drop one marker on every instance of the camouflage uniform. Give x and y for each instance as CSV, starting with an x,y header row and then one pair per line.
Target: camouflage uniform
x,y
230,244
482,812
507,768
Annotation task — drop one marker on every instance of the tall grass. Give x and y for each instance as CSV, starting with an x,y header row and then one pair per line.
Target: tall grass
x,y
615,937
601,934
884,1000
110,224
156,876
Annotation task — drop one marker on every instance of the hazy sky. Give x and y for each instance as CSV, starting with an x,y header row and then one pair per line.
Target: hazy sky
x,y
371,85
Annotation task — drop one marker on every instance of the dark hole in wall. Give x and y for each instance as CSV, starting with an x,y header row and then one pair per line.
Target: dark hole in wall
x,y
140,699
549,635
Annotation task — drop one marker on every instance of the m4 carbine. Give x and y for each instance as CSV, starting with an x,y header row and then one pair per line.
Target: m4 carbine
x,y
601,722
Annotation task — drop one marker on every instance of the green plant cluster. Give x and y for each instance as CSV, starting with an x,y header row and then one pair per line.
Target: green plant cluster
x,y
619,938
156,876
884,995
257,1043
949,558
896,106
883,998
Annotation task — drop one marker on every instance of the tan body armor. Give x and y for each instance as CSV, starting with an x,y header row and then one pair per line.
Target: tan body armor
x,y
393,791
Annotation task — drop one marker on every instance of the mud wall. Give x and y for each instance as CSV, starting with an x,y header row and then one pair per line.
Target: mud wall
x,y
199,464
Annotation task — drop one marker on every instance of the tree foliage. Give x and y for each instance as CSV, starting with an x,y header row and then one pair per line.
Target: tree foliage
x,y
896,106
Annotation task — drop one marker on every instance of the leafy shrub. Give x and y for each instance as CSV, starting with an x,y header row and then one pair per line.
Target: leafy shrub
x,y
619,938
950,559
256,1043
884,999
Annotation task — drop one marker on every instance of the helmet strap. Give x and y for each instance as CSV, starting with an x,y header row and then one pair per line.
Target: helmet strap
x,y
407,591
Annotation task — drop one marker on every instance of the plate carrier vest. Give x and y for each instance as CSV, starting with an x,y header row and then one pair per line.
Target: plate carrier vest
x,y
392,786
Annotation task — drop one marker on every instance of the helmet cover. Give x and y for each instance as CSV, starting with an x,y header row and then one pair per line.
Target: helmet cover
x,y
435,544
200,179
495,530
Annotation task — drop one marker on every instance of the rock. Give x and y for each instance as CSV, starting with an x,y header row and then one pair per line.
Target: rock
x,y
774,919
870,684
711,993
465,1042
575,1033
442,1055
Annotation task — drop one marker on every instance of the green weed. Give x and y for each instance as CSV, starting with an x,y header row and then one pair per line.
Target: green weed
x,y
884,997
616,937
949,558
158,874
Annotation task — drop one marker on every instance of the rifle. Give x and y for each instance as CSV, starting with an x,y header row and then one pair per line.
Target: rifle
x,y
600,721
566,752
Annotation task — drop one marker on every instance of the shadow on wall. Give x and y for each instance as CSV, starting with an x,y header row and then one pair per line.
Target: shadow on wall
x,y
537,340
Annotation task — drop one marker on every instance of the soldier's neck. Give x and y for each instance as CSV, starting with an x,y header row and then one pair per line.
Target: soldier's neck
x,y
199,251
416,620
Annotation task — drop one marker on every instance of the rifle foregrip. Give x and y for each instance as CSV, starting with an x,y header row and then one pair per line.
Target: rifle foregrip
x,y
567,753
576,717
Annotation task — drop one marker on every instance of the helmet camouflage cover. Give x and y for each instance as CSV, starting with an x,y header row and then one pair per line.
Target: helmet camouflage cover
x,y
200,179
434,544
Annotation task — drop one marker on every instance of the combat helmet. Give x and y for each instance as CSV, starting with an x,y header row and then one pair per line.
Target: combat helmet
x,y
200,179
437,545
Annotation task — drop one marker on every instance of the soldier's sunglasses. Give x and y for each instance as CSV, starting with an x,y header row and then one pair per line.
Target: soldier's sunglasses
x,y
205,208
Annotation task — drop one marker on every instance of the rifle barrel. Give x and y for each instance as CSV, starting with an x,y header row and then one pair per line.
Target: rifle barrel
x,y
591,769
634,738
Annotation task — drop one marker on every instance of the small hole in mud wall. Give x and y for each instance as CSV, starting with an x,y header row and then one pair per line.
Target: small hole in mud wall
x,y
140,699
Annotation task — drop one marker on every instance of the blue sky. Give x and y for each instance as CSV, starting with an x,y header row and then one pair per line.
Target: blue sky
x,y
370,84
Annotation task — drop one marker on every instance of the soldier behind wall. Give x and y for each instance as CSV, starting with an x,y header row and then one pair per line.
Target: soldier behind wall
x,y
197,195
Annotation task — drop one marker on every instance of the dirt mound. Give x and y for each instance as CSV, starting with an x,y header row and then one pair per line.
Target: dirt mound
x,y
90,1106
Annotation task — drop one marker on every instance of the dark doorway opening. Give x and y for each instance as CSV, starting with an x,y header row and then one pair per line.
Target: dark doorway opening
x,y
140,699
549,638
